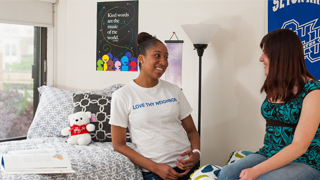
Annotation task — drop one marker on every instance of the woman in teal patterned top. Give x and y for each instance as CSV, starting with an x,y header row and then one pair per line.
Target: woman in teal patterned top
x,y
292,112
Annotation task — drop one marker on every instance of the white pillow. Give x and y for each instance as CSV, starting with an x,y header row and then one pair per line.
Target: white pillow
x,y
54,108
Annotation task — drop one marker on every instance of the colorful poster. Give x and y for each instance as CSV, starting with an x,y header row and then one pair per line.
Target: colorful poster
x,y
174,71
302,17
117,30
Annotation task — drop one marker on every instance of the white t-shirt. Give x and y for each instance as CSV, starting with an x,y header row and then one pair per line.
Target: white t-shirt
x,y
153,116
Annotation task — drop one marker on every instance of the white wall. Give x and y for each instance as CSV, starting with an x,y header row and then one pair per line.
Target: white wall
x,y
231,77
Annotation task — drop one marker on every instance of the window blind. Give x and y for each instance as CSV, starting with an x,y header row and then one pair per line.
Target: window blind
x,y
27,12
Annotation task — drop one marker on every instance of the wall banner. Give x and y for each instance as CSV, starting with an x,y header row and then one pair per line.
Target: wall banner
x,y
174,71
117,30
302,17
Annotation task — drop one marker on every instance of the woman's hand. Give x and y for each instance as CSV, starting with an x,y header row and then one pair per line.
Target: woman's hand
x,y
166,172
189,163
194,139
249,174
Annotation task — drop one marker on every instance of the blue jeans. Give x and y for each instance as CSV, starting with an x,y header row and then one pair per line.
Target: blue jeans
x,y
153,176
291,171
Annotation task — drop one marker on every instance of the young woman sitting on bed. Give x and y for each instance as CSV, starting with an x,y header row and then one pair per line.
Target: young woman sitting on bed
x,y
158,116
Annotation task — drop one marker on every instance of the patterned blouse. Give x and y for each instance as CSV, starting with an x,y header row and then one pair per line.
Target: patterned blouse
x,y
282,119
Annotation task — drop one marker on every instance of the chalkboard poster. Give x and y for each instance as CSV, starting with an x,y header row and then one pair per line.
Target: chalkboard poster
x,y
117,30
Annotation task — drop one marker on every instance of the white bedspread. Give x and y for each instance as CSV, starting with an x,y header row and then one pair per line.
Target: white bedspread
x,y
97,161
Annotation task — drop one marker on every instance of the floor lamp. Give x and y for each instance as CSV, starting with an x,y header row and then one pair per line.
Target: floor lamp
x,y
200,36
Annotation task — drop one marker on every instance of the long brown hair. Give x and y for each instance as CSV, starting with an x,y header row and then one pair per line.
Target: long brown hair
x,y
287,67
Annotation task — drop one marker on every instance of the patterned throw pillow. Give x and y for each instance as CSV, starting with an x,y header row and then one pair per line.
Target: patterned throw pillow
x,y
207,172
236,155
99,106
210,171
54,108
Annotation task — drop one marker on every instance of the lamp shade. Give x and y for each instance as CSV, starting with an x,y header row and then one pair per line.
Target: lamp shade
x,y
200,33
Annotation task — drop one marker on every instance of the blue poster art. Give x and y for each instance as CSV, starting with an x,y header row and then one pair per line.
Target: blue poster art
x,y
301,16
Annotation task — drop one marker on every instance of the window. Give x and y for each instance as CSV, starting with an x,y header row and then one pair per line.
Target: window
x,y
13,50
7,49
22,55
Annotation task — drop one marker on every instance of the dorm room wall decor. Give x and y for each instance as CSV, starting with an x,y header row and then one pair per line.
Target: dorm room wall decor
x,y
117,29
174,71
301,17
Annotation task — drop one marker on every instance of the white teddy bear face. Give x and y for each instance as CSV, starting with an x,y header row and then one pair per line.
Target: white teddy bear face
x,y
79,118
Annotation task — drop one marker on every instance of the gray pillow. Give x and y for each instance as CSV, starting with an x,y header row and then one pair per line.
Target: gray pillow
x,y
98,105
54,108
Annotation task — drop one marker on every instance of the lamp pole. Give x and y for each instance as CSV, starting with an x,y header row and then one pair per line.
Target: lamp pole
x,y
200,49
200,36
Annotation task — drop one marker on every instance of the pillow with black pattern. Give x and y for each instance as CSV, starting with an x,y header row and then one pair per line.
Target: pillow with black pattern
x,y
54,107
98,105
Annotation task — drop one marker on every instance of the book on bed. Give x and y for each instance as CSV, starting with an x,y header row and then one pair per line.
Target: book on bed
x,y
36,161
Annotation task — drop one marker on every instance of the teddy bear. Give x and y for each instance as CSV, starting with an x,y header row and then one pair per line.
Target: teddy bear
x,y
80,128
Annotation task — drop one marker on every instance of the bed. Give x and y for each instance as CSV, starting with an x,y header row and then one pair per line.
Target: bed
x,y
98,160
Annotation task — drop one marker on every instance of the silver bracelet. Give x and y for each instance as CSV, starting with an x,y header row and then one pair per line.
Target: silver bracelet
x,y
198,151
